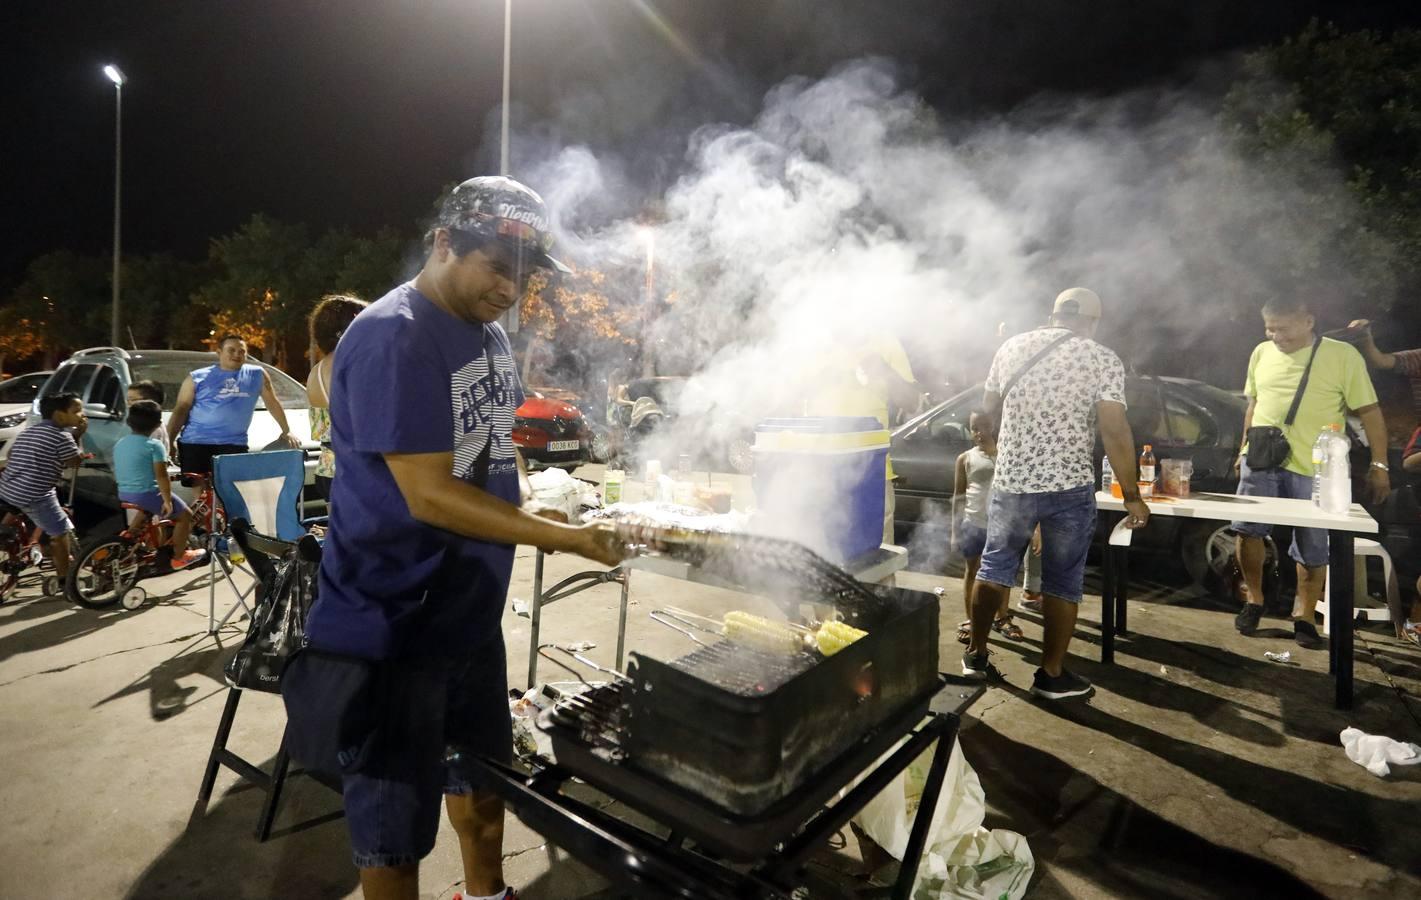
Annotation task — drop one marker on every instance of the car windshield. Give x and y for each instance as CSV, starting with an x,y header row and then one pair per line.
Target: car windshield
x,y
171,373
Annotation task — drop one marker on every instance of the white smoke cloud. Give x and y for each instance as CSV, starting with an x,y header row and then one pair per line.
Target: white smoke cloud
x,y
849,210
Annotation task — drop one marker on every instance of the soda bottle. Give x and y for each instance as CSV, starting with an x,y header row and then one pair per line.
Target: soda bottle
x,y
1107,475
1147,466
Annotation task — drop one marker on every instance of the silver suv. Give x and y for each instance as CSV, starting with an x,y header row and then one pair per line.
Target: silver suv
x,y
101,376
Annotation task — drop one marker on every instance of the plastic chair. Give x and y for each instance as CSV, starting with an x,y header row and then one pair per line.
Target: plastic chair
x,y
1365,548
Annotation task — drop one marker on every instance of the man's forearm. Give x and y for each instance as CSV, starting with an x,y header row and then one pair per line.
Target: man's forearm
x,y
460,507
1374,424
1120,450
175,425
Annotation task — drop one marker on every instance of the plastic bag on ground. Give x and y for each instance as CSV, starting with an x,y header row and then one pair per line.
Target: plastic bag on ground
x,y
961,859
557,489
1376,753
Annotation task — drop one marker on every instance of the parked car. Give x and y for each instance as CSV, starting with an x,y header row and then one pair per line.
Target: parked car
x,y
16,396
551,432
1181,418
101,376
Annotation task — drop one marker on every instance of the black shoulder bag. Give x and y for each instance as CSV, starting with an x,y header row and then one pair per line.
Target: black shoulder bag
x,y
1268,446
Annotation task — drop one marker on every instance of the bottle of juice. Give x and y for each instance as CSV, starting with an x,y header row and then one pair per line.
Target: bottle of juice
x,y
612,488
1147,465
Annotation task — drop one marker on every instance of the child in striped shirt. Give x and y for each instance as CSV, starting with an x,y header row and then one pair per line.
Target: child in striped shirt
x,y
37,457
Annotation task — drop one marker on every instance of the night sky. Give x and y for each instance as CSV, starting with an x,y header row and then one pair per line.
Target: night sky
x,y
356,112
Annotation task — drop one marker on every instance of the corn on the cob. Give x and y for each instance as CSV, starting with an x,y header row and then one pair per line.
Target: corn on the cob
x,y
835,636
762,633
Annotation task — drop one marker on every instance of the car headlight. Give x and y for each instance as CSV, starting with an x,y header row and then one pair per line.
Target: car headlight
x,y
12,420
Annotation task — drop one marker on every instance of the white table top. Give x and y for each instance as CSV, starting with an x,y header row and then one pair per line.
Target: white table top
x,y
872,569
1263,510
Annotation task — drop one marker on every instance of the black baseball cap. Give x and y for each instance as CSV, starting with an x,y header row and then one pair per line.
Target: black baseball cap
x,y
497,207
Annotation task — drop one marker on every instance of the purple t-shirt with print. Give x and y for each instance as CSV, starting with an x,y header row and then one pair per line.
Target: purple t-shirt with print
x,y
411,378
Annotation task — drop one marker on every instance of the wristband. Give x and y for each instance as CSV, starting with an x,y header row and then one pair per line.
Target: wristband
x,y
1381,465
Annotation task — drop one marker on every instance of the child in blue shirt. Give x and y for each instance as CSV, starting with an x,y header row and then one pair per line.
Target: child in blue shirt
x,y
140,466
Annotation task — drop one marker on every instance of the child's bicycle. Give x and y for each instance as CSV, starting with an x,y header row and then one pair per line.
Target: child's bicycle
x,y
108,568
22,547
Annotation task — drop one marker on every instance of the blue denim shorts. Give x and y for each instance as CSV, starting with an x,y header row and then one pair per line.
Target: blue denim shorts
x,y
152,502
48,515
392,806
1067,520
971,539
1309,544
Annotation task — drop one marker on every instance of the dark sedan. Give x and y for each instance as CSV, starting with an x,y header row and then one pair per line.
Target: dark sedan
x,y
1179,417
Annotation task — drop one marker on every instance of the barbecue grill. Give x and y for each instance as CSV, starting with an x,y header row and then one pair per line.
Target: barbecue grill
x,y
734,751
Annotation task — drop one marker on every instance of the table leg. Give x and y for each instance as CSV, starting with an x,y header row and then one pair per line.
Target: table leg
x,y
626,579
1107,596
535,618
1341,553
1122,589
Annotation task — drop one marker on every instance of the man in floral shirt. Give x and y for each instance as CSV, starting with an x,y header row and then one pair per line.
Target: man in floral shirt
x,y
1054,386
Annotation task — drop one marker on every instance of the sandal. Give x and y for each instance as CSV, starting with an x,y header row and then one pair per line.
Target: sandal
x,y
1008,629
964,632
1410,633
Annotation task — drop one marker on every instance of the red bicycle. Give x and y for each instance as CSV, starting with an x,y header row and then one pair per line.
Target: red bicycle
x,y
22,548
108,568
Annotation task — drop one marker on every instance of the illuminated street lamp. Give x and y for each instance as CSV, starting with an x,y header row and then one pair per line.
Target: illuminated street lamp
x,y
116,76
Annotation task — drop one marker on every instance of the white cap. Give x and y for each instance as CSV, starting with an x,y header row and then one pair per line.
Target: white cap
x,y
1077,301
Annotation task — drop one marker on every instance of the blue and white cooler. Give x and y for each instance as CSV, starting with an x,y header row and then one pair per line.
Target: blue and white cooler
x,y
820,481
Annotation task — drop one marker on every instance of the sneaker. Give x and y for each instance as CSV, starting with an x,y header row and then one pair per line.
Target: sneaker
x,y
508,894
1059,688
977,666
1247,619
1030,601
189,558
1306,636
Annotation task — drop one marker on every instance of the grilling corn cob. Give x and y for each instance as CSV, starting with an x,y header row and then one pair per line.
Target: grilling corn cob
x,y
835,636
762,633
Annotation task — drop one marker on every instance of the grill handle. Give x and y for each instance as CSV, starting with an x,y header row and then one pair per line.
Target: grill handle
x,y
580,658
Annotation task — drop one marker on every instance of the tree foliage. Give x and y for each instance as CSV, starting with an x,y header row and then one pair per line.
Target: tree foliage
x,y
1349,100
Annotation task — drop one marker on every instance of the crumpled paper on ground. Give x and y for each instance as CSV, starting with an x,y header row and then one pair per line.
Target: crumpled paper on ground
x,y
1376,753
962,859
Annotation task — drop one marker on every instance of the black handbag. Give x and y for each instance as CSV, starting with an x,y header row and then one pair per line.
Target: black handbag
x,y
1268,446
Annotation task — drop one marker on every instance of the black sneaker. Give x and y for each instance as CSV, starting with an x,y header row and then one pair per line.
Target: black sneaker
x,y
1247,619
1059,688
1306,636
977,666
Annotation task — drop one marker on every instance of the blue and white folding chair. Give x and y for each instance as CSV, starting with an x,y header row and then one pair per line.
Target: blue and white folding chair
x,y
264,489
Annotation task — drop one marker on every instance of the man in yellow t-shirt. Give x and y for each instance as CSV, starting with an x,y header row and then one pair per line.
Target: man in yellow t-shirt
x,y
861,380
1338,382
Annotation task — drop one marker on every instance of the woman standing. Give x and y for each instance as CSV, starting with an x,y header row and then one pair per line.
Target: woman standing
x,y
327,322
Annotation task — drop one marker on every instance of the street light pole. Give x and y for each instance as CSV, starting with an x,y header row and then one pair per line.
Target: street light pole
x,y
507,54
116,76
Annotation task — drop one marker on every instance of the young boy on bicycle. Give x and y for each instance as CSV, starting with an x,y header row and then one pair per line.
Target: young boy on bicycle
x,y
38,456
140,466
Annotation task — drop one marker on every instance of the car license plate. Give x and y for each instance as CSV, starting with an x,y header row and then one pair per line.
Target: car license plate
x,y
557,446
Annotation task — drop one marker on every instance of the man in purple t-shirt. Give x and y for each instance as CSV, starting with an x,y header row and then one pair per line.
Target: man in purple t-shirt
x,y
426,509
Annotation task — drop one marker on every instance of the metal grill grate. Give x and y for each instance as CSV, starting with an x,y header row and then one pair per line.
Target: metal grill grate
x,y
743,670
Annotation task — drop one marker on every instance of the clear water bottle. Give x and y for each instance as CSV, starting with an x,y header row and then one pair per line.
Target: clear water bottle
x,y
1331,471
1107,474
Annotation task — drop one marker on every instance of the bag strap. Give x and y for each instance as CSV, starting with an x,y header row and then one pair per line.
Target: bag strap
x,y
1040,355
1302,385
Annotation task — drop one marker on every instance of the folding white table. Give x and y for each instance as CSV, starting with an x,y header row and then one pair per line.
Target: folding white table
x,y
1341,528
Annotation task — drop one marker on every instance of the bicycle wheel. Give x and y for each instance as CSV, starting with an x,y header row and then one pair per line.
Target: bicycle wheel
x,y
106,568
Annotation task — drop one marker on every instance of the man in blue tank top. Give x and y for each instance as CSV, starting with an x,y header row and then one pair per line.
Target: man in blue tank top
x,y
215,406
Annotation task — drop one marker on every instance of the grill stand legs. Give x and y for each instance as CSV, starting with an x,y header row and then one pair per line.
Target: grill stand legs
x,y
575,584
653,866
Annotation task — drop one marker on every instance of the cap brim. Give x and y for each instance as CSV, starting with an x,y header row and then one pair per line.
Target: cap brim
x,y
555,265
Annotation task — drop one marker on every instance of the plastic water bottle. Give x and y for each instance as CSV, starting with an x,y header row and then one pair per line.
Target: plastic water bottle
x,y
1107,474
1331,471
